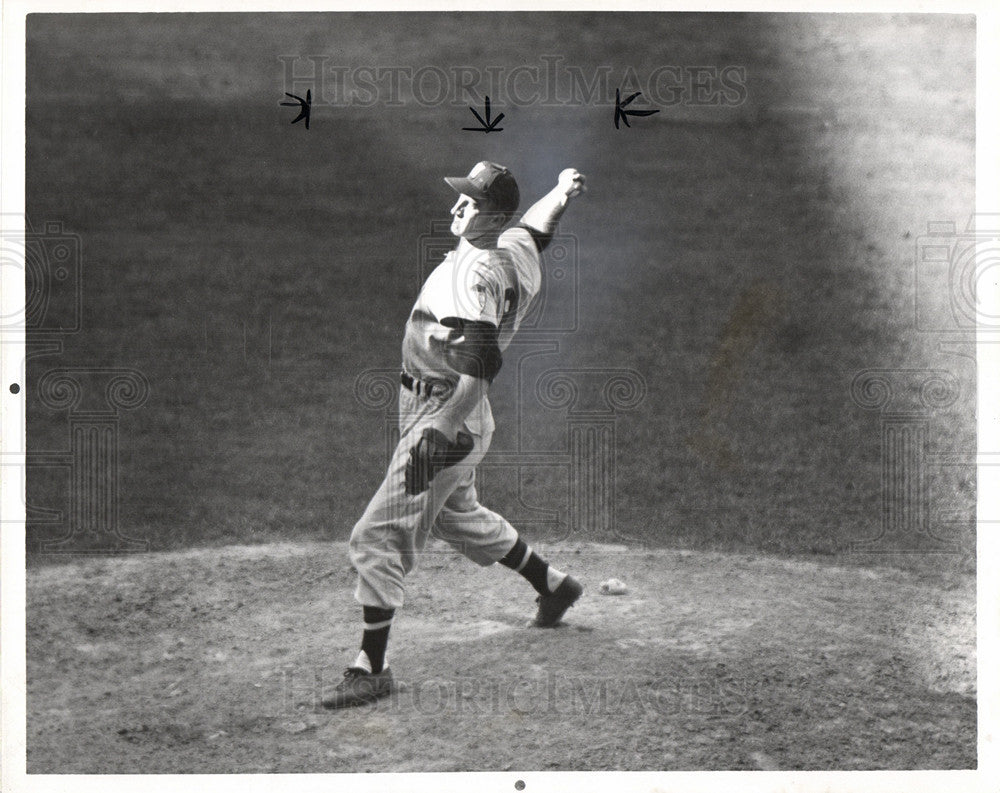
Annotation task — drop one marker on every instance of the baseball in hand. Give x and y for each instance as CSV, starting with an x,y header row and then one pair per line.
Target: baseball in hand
x,y
572,182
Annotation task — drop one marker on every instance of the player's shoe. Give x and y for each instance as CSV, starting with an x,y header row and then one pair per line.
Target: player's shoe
x,y
552,607
359,687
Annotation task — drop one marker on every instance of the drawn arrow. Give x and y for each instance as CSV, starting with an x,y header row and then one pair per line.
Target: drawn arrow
x,y
621,113
487,124
305,104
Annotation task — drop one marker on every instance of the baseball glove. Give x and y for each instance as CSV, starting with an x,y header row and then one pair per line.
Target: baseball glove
x,y
432,453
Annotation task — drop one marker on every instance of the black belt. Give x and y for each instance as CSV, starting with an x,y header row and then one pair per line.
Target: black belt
x,y
419,387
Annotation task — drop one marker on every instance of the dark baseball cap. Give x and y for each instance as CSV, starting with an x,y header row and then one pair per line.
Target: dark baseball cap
x,y
489,181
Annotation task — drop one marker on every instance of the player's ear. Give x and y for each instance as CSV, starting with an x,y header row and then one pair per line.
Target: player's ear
x,y
498,219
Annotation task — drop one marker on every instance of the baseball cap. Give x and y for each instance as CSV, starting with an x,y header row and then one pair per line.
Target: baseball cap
x,y
490,181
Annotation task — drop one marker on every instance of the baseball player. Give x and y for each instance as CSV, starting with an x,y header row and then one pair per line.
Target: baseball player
x,y
464,318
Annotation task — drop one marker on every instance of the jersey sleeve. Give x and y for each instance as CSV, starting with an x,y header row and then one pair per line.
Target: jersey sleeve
x,y
520,248
541,238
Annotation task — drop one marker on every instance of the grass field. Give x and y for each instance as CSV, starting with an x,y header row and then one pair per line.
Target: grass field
x,y
745,262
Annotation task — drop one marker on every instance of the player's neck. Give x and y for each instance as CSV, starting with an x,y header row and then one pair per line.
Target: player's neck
x,y
485,242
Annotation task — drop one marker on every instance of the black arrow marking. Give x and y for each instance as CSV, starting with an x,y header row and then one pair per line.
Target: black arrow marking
x,y
487,125
305,104
622,114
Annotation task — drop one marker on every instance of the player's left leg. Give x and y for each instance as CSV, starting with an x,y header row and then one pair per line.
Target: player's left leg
x,y
470,528
486,538
557,591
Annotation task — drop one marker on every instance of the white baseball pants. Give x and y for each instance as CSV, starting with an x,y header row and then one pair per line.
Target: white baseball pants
x,y
394,528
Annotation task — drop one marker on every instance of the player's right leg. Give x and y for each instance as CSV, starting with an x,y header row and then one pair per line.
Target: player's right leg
x,y
382,550
384,547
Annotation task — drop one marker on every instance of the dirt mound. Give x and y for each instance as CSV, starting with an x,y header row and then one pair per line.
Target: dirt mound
x,y
213,660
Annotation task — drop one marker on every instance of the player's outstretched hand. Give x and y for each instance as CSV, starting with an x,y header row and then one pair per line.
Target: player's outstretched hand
x,y
572,182
432,453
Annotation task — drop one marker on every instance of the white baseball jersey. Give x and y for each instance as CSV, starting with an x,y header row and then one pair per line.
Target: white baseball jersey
x,y
494,286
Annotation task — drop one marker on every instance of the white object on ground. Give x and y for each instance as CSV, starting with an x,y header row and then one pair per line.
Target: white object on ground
x,y
613,586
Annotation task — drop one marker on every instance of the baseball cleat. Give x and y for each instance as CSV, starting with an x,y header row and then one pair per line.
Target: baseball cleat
x,y
359,687
552,607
